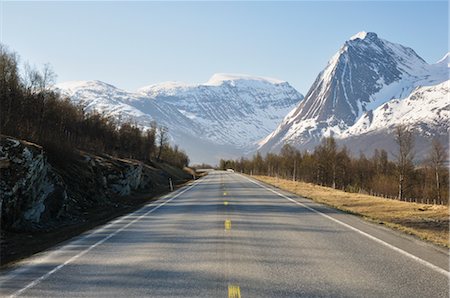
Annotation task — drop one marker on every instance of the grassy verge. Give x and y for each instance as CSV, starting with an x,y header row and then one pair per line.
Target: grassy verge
x,y
428,222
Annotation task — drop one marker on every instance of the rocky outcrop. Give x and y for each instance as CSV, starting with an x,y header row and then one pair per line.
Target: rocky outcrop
x,y
120,176
35,194
30,190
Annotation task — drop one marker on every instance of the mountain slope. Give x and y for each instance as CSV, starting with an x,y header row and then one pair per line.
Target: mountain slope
x,y
225,116
427,109
364,74
113,102
233,109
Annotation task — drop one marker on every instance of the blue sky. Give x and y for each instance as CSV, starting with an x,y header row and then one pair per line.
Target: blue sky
x,y
133,44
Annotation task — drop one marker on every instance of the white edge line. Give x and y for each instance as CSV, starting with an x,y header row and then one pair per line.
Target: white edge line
x,y
405,253
57,268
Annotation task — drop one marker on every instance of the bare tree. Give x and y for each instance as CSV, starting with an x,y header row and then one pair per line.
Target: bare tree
x,y
163,140
9,87
287,154
326,161
39,81
405,140
437,157
150,139
258,164
48,77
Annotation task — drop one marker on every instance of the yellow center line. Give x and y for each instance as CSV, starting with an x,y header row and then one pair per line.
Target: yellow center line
x,y
234,291
224,193
227,225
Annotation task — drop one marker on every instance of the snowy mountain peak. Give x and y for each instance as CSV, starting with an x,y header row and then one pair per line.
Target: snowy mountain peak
x,y
445,60
219,79
72,87
365,73
165,87
360,35
358,71
79,84
363,35
216,80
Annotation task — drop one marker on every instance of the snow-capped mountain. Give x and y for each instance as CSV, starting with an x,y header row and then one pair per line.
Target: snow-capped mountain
x,y
427,109
113,102
365,74
233,109
225,116
367,88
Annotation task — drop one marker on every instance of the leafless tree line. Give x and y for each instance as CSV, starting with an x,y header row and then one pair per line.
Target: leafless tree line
x,y
335,167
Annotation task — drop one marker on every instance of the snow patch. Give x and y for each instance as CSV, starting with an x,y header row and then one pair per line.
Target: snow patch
x,y
445,60
425,105
360,35
219,78
187,114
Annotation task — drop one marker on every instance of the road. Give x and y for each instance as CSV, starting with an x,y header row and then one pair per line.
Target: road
x,y
227,235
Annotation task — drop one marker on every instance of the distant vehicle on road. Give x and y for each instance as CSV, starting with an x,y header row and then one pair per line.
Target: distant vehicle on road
x,y
230,170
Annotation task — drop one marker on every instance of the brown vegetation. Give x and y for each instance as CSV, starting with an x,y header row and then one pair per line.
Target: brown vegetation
x,y
428,222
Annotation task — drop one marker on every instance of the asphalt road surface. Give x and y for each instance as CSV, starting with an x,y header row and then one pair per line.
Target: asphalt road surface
x,y
229,236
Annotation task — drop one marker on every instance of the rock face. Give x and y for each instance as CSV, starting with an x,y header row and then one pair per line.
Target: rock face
x,y
30,190
366,73
118,176
35,195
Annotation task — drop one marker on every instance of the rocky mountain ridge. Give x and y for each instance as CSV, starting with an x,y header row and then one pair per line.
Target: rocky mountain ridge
x,y
366,74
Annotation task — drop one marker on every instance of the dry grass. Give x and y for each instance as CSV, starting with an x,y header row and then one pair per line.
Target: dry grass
x,y
428,222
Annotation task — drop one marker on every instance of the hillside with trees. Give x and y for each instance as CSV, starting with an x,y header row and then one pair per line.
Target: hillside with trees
x,y
31,110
